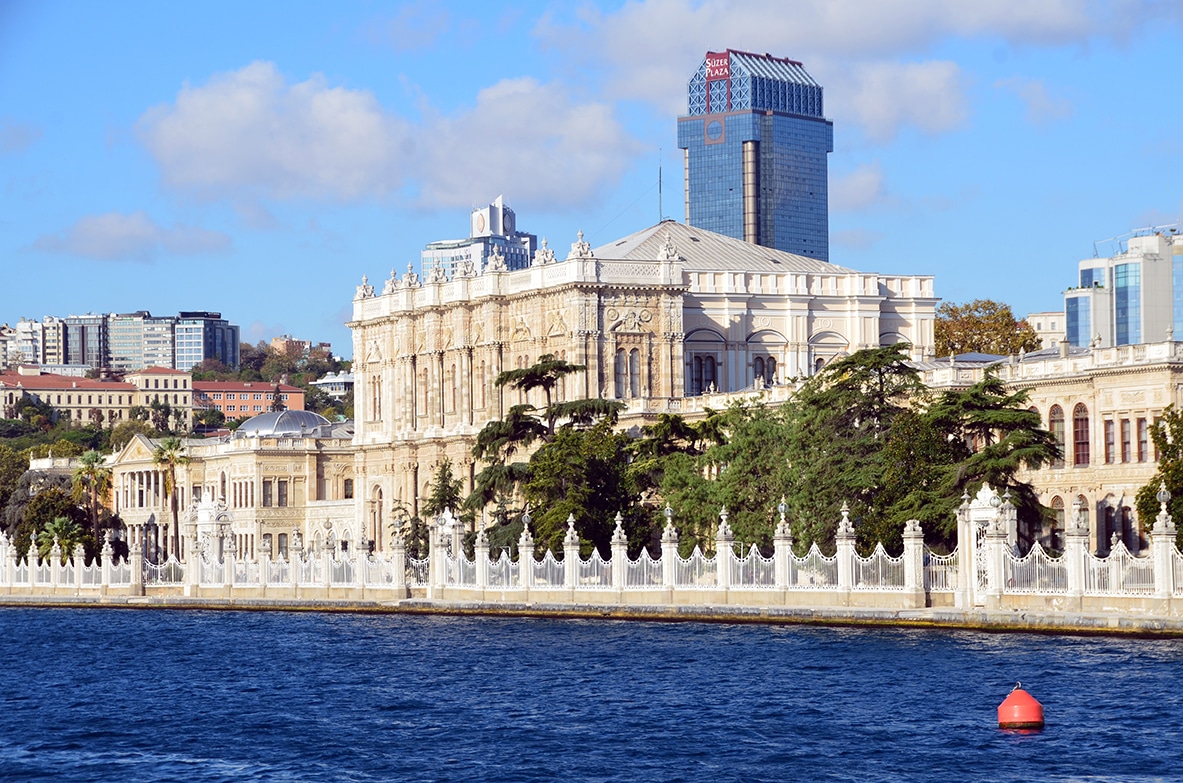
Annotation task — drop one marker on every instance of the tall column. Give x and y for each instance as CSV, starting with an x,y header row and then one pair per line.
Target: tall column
x,y
669,552
995,567
1076,540
135,554
229,561
296,560
526,555
398,564
914,593
79,564
782,549
619,553
480,554
571,555
845,542
1163,541
723,553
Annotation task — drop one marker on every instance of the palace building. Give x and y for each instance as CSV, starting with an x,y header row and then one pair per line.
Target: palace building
x,y
658,317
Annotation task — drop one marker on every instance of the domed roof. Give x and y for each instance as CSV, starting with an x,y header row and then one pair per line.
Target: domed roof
x,y
282,424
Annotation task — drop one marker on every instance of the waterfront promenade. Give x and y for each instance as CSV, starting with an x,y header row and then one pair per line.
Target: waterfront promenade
x,y
984,584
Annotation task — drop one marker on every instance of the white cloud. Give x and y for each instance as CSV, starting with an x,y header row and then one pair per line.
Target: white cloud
x,y
861,188
526,139
250,133
872,57
1042,107
135,237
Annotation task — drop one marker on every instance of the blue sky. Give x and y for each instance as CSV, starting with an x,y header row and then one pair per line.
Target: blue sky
x,y
258,158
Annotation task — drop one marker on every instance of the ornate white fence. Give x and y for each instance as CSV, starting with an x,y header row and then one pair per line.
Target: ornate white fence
x,y
988,569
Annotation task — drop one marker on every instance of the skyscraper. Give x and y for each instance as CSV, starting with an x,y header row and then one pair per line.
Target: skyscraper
x,y
755,142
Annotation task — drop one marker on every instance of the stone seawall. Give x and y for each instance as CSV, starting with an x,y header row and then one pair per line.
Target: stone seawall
x,y
1014,621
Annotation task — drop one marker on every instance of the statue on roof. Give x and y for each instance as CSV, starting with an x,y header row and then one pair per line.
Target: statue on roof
x,y
580,249
467,268
365,290
668,252
391,283
437,275
496,261
544,256
410,279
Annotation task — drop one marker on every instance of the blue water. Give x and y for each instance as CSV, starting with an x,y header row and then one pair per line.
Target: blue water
x,y
151,695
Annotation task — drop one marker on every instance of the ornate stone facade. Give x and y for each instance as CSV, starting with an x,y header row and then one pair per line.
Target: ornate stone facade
x,y
664,314
1099,403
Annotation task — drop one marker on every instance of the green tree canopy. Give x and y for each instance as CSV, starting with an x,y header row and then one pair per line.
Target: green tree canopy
x,y
1167,435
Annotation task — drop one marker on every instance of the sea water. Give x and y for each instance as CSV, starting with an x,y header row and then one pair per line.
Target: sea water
x,y
148,695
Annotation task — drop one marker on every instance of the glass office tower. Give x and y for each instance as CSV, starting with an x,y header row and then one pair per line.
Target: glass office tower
x,y
755,143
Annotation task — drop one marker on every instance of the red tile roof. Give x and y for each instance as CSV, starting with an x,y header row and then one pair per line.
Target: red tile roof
x,y
49,381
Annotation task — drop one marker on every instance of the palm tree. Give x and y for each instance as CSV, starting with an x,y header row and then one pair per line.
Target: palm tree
x,y
67,532
92,479
170,453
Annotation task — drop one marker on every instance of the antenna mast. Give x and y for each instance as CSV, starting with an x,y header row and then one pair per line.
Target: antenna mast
x,y
660,211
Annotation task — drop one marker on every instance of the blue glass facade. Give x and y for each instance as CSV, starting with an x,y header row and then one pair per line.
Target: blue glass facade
x,y
1127,301
1076,315
1091,277
1177,293
756,144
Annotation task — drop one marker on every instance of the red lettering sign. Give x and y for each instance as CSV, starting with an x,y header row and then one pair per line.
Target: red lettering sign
x,y
718,66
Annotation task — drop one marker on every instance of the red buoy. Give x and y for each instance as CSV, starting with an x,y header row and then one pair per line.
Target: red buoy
x,y
1020,710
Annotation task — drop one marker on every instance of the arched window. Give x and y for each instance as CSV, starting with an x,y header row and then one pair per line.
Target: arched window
x,y
818,364
1080,435
634,373
621,373
758,368
1055,423
770,370
1052,540
1084,510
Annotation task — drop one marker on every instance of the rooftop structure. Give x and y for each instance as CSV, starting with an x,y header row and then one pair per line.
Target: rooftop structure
x,y
493,234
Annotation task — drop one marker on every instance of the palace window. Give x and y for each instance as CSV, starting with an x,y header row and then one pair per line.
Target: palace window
x,y
1080,435
1126,441
1110,441
348,489
281,493
1143,440
1055,423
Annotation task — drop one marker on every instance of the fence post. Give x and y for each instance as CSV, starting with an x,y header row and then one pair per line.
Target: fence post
x,y
619,553
7,561
782,547
844,539
55,564
723,554
296,561
1075,545
526,555
914,591
79,564
1163,540
669,552
571,555
398,564
995,567
105,556
264,565
135,560
480,553
327,556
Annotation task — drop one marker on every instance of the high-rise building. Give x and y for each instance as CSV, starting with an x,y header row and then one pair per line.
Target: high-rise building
x,y
493,230
202,335
1133,297
755,142
86,340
